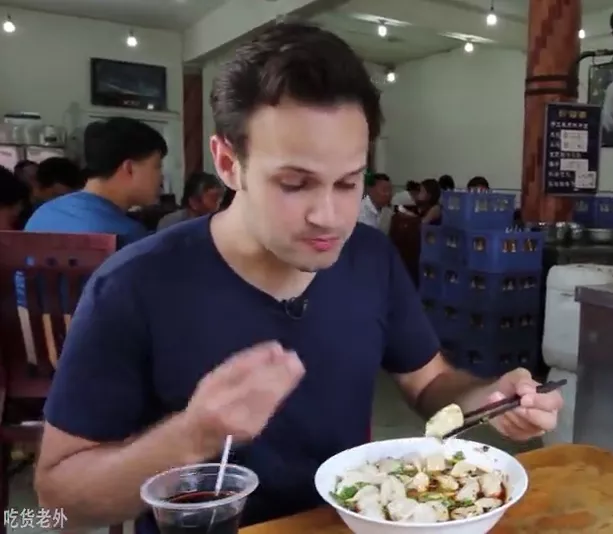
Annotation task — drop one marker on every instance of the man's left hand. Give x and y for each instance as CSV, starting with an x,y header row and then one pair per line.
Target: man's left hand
x,y
537,414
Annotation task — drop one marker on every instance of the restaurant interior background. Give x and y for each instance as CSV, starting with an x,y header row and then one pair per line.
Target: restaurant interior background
x,y
444,107
452,84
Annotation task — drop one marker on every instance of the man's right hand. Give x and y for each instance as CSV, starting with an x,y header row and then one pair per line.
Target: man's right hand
x,y
240,396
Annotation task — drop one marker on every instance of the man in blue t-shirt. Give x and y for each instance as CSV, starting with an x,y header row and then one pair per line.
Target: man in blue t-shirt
x,y
267,321
124,161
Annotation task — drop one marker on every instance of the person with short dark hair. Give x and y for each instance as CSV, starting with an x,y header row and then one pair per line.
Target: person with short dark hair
x,y
202,194
407,197
25,170
123,160
446,183
267,321
478,183
428,202
378,196
14,196
55,177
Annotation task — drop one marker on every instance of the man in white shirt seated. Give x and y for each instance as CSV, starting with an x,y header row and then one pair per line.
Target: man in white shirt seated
x,y
408,197
378,196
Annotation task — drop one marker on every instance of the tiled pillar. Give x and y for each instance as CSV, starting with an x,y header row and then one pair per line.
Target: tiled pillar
x,y
192,122
553,47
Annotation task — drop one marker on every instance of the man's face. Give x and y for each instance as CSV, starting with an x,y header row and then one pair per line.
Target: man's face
x,y
145,180
300,188
381,193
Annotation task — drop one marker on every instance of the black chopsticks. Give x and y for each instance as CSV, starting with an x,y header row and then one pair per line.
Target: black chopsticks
x,y
494,409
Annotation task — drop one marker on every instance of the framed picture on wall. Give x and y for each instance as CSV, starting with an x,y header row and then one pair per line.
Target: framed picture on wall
x,y
600,93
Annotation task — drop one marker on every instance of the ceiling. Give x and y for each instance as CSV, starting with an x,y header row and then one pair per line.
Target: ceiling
x,y
166,14
419,28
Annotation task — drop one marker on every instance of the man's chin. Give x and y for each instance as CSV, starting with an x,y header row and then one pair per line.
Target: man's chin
x,y
312,265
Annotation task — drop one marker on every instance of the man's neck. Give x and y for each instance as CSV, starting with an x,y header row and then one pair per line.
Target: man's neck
x,y
108,190
251,261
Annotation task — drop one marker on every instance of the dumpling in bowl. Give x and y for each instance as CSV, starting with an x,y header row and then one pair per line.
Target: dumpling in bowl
x,y
424,513
435,463
491,485
392,489
420,482
388,465
401,509
442,512
469,492
462,469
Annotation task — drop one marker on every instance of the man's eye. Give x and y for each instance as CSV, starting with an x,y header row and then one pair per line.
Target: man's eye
x,y
291,188
346,185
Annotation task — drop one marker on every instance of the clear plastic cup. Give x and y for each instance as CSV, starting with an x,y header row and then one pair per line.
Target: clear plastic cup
x,y
183,499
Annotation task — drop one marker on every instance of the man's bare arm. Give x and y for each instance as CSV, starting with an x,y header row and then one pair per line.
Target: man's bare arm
x,y
438,384
99,484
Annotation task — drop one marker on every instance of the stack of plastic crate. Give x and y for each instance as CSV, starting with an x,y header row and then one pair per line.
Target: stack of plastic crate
x,y
480,283
593,211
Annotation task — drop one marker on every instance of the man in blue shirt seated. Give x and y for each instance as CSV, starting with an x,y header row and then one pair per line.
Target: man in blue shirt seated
x,y
267,321
124,161
54,178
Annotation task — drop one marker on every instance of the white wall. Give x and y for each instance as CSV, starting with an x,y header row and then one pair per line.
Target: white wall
x,y
462,114
44,68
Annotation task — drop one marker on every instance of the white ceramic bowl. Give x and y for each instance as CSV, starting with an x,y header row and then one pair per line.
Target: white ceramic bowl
x,y
475,453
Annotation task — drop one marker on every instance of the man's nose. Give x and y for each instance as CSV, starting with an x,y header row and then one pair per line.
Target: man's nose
x,y
323,212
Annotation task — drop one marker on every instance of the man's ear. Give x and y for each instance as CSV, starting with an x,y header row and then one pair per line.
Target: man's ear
x,y
226,162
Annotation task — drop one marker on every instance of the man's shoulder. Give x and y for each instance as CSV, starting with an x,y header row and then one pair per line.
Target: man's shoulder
x,y
155,254
47,210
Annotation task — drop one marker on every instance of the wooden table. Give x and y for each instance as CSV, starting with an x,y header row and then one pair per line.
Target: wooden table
x,y
571,491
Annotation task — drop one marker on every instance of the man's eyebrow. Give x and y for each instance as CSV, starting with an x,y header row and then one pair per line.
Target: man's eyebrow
x,y
303,170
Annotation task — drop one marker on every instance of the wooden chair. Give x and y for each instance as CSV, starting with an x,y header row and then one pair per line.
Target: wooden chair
x,y
54,268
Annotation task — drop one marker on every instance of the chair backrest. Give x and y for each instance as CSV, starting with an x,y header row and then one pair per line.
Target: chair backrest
x,y
54,268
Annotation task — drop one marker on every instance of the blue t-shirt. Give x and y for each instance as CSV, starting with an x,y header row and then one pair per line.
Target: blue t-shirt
x,y
82,213
85,213
161,313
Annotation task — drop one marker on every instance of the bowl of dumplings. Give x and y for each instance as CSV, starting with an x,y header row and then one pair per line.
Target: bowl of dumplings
x,y
421,485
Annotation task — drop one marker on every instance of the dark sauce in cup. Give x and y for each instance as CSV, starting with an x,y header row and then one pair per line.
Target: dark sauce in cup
x,y
224,525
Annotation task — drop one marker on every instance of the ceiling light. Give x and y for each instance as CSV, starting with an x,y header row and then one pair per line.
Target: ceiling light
x,y
581,33
132,41
382,30
9,26
390,76
491,19
469,48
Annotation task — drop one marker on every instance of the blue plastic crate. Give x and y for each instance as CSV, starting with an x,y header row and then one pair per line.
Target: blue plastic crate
x,y
433,311
469,326
477,209
431,243
430,281
505,292
594,212
584,210
494,251
452,322
491,361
